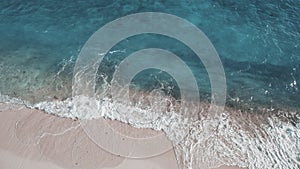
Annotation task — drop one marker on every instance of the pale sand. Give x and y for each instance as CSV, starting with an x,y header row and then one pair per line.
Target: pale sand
x,y
31,139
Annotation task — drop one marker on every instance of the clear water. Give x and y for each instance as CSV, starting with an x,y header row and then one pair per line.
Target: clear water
x,y
258,43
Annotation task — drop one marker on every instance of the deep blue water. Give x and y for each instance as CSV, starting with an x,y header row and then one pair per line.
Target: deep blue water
x,y
258,41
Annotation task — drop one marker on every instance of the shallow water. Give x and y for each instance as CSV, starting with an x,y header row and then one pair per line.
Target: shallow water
x,y
258,43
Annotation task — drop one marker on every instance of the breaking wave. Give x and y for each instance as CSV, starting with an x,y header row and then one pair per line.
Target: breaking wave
x,y
232,137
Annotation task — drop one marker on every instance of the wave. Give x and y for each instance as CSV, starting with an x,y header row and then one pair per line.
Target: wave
x,y
232,137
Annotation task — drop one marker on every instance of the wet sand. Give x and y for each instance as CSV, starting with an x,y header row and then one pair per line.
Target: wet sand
x,y
33,139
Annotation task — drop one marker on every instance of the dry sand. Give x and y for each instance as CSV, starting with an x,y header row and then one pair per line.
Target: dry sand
x,y
31,139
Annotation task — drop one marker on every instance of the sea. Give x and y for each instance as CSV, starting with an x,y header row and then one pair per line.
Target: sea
x,y
257,43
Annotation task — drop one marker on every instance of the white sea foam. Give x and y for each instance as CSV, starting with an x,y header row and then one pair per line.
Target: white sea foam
x,y
228,139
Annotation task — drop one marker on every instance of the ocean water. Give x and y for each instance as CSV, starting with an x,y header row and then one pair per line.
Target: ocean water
x,y
258,43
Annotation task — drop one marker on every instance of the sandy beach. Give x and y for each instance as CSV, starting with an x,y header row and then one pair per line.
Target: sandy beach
x,y
33,139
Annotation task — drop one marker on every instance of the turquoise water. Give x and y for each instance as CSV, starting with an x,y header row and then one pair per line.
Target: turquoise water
x,y
258,43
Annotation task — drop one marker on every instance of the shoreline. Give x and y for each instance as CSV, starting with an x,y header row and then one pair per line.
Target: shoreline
x,y
252,120
51,150
237,128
